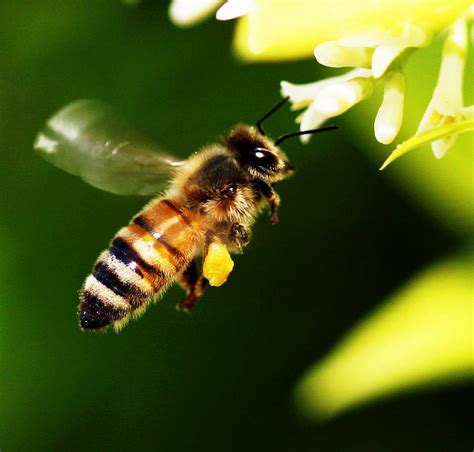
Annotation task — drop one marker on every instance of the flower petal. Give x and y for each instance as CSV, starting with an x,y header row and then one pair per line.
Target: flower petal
x,y
446,104
333,54
186,13
302,95
383,57
448,98
310,119
233,9
389,117
337,98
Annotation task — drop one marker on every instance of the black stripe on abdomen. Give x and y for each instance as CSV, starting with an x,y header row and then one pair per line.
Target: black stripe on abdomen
x,y
141,221
125,259
107,277
94,313
123,251
177,210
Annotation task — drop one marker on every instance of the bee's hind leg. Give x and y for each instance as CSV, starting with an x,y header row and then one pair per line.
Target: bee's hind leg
x,y
194,283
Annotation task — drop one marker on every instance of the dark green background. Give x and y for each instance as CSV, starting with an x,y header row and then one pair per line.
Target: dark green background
x,y
220,379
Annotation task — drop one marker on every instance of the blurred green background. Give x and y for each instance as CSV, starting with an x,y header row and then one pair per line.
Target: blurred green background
x,y
220,379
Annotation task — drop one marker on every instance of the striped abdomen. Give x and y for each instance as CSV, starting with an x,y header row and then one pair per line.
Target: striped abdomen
x,y
143,259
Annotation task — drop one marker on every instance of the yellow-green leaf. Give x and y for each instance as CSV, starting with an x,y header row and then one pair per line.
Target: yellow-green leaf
x,y
421,336
434,134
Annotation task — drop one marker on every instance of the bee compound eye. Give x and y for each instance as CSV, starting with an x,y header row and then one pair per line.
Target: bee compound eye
x,y
263,158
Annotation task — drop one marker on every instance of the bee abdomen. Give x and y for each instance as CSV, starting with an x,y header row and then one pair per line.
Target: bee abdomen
x,y
111,292
95,311
143,258
120,287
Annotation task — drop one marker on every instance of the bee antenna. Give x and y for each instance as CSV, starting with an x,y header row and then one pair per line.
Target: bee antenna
x,y
269,113
304,132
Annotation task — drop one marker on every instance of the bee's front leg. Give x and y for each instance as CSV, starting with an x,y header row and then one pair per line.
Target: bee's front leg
x,y
274,203
194,283
272,198
239,234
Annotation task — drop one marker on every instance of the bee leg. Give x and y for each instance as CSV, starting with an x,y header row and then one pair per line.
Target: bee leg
x,y
194,284
272,198
274,203
239,234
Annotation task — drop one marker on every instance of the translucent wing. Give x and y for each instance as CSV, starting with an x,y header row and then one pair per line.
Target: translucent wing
x,y
87,139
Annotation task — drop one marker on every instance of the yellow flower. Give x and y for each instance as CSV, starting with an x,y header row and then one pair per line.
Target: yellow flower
x,y
380,54
277,30
373,47
445,116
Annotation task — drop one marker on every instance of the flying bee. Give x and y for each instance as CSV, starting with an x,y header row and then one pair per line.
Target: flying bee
x,y
206,208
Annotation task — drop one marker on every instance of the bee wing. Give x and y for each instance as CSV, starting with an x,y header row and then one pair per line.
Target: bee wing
x,y
87,139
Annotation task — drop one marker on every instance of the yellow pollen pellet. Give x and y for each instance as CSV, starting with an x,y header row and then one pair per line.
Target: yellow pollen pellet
x,y
217,265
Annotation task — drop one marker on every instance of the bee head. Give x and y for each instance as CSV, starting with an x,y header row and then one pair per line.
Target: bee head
x,y
258,154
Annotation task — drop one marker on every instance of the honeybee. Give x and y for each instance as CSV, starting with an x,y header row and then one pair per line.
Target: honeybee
x,y
206,210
